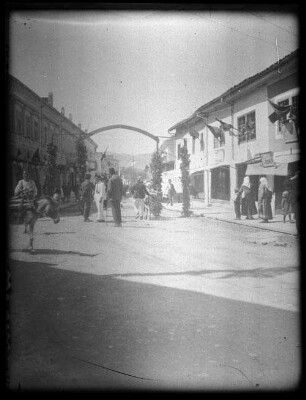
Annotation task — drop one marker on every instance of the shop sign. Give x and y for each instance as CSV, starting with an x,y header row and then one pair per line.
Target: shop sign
x,y
267,159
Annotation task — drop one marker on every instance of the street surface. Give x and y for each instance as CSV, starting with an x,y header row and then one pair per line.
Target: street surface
x,y
174,303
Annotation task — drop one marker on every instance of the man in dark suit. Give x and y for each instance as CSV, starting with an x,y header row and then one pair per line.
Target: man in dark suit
x,y
86,197
114,194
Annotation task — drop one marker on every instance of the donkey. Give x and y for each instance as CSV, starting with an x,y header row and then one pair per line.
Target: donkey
x,y
46,206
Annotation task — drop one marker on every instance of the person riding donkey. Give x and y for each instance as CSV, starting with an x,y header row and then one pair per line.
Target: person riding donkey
x,y
26,193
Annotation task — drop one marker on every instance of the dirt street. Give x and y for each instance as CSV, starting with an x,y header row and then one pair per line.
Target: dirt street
x,y
173,303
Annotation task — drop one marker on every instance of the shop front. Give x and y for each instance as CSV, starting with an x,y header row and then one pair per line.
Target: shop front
x,y
220,183
277,173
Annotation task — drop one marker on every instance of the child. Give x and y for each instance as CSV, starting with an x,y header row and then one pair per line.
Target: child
x,y
237,204
286,205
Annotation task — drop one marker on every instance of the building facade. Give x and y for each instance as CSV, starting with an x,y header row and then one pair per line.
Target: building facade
x,y
254,146
33,123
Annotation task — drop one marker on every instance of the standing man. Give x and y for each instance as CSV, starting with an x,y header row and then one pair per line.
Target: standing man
x,y
295,200
99,196
170,192
139,192
86,197
114,194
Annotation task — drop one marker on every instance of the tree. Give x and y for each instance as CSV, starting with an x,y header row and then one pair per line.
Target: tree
x,y
156,170
51,172
81,158
185,179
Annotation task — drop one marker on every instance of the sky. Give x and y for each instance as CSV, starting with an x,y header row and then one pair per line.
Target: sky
x,y
148,69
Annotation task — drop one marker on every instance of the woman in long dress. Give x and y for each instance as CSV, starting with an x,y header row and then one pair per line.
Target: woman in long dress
x,y
248,207
264,201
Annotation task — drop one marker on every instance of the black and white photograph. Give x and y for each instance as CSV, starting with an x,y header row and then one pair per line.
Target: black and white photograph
x,y
152,184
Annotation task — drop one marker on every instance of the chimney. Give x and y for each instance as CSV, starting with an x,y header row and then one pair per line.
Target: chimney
x,y
50,98
80,126
86,130
63,111
70,117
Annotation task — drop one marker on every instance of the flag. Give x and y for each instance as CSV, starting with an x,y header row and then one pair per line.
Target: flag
x,y
279,108
279,113
224,125
194,133
103,155
215,131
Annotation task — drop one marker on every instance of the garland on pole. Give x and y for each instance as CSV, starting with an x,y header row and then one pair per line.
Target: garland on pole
x,y
185,179
51,171
156,167
81,158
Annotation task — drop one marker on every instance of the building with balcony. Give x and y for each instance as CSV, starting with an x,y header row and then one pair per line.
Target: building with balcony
x,y
33,123
254,146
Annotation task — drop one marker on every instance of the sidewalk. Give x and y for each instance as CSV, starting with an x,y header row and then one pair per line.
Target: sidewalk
x,y
225,212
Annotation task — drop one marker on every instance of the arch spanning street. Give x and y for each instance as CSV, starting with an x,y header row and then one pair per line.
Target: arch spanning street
x,y
128,127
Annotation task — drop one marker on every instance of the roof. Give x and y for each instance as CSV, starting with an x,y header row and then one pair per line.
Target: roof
x,y
238,87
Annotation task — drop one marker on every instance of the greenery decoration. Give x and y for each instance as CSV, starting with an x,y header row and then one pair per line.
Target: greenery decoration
x,y
51,171
156,167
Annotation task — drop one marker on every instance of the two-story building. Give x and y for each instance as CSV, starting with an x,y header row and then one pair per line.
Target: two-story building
x,y
254,146
33,123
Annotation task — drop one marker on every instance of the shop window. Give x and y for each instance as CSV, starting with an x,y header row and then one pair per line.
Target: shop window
x,y
247,127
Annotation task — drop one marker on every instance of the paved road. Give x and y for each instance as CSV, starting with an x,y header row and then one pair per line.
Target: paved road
x,y
175,303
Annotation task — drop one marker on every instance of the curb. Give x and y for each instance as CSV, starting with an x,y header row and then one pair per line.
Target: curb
x,y
208,216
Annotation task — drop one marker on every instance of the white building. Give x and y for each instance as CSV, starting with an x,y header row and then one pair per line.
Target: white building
x,y
261,148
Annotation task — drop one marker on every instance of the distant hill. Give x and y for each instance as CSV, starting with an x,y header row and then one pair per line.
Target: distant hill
x,y
125,160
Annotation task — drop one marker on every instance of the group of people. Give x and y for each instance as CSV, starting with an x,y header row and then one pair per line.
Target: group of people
x,y
105,190
245,203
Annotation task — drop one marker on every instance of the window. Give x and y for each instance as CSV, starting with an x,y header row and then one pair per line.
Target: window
x,y
221,141
201,142
185,142
193,145
178,150
283,120
36,129
247,127
27,125
18,120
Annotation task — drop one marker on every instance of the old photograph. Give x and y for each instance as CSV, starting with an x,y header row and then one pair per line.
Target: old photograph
x,y
153,165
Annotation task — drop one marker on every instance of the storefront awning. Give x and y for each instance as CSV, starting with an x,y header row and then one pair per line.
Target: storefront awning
x,y
258,169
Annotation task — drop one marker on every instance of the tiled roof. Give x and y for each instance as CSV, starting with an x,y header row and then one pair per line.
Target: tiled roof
x,y
240,85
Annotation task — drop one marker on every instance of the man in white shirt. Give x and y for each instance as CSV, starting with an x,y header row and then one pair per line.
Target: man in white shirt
x,y
26,187
99,196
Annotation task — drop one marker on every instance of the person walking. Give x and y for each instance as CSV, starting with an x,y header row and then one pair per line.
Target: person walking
x,y
248,207
170,192
286,205
264,201
114,195
295,199
99,196
139,192
86,197
237,204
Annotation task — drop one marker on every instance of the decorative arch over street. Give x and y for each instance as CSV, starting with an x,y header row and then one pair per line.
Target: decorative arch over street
x,y
128,127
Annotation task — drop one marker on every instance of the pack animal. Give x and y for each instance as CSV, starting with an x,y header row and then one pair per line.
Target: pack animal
x,y
46,207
